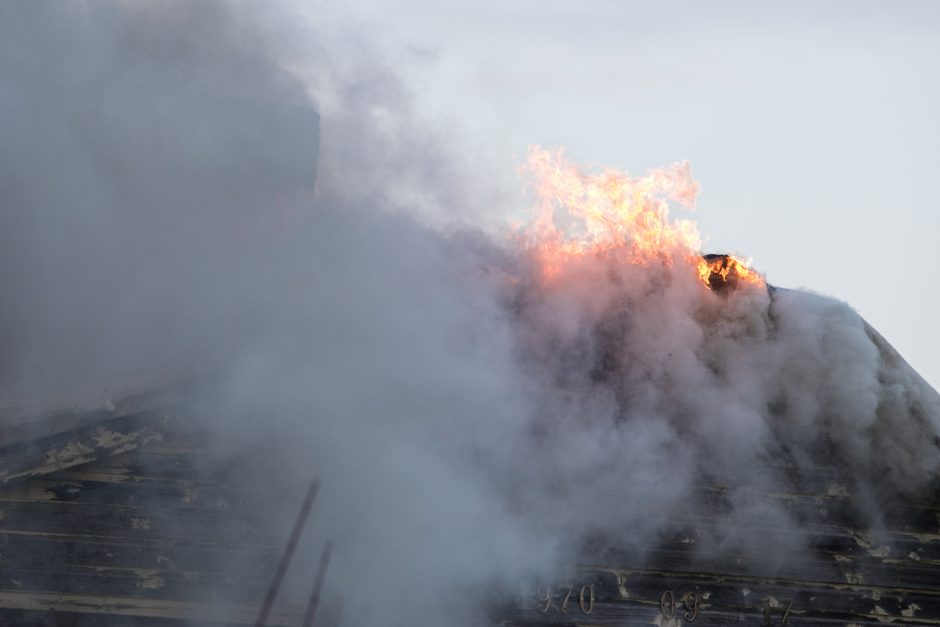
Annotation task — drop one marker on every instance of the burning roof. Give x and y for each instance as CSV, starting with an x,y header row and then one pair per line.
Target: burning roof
x,y
626,218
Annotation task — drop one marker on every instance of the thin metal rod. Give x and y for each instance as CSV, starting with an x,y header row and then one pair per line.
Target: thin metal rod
x,y
288,554
317,586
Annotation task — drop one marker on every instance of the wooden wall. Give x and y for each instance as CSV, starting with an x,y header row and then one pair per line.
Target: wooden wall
x,y
124,518
840,575
116,518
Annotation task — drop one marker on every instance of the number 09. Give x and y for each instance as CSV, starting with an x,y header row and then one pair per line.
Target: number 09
x,y
690,601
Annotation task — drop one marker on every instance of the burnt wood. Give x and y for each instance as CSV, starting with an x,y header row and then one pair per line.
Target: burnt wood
x,y
136,519
82,445
129,519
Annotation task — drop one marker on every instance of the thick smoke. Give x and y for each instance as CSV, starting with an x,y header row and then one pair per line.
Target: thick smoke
x,y
210,193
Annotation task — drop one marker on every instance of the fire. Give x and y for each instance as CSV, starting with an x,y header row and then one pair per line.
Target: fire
x,y
618,215
719,271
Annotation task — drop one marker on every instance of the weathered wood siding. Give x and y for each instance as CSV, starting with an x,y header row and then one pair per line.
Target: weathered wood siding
x,y
120,520
123,518
841,576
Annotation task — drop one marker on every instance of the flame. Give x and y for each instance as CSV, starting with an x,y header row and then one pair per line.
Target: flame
x,y
717,271
615,214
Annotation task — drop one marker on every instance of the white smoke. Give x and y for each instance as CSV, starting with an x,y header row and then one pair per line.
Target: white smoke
x,y
471,425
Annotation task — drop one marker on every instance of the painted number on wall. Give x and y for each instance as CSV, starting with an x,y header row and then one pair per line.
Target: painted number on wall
x,y
562,598
690,603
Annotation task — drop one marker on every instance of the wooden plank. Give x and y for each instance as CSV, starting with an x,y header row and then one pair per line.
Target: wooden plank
x,y
146,493
80,446
241,584
36,550
51,416
141,463
110,606
26,618
129,522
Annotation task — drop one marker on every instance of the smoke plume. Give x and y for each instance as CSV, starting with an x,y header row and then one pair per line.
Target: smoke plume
x,y
214,192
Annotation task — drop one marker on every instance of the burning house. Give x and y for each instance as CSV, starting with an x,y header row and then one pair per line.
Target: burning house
x,y
819,555
581,420
133,513
830,520
699,504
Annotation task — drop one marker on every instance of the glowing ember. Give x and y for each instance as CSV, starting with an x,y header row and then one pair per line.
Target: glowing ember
x,y
619,216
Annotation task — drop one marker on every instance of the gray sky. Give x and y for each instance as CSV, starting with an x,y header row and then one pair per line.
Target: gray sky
x,y
812,126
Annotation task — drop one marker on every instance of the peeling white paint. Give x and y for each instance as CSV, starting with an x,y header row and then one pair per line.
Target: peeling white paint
x,y
882,616
881,551
910,611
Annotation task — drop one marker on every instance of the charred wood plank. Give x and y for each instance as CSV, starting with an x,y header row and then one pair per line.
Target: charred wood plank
x,y
28,550
147,492
50,416
108,606
129,522
242,584
83,445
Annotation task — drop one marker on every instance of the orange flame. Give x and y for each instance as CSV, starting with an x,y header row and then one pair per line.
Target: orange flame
x,y
615,214
717,271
